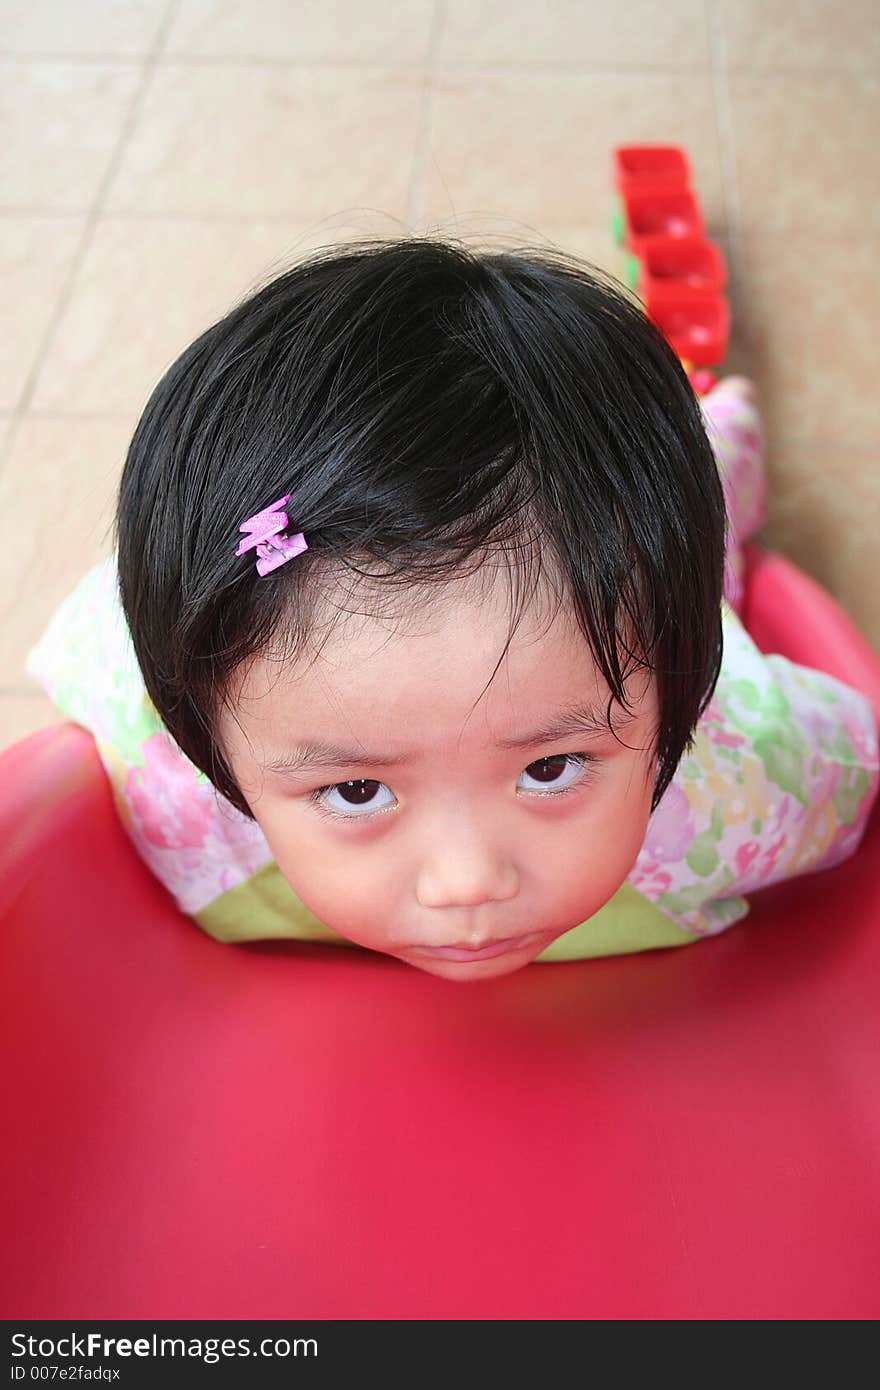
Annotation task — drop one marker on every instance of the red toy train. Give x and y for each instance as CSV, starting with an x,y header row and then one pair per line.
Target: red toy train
x,y
675,269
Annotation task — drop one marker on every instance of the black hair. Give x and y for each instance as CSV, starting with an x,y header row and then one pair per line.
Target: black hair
x,y
424,404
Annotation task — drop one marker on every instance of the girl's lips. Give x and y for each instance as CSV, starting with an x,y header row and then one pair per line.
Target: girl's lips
x,y
462,953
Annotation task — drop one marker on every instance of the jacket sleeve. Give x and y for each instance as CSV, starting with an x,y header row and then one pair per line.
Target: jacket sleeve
x,y
194,840
779,781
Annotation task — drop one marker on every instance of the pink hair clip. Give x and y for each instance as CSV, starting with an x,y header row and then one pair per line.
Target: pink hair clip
x,y
263,530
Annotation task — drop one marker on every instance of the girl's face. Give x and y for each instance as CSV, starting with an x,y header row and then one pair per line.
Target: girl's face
x,y
460,840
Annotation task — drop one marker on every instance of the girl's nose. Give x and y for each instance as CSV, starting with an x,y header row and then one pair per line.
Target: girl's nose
x,y
466,871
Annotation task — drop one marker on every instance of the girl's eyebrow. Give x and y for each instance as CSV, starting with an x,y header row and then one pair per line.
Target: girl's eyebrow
x,y
579,720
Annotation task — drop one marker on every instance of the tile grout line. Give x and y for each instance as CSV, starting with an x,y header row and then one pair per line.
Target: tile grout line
x,y
440,228
417,173
723,120
92,215
232,219
218,219
476,65
462,66
726,143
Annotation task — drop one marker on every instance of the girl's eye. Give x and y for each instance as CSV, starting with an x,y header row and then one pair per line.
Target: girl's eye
x,y
354,795
359,798
548,771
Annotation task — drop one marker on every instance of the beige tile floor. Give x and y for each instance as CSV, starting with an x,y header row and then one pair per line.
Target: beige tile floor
x,y
159,157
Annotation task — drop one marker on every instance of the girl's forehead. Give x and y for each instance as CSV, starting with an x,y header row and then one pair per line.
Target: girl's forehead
x,y
432,664
352,618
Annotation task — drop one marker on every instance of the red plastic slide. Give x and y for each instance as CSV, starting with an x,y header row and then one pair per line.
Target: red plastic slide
x,y
291,1131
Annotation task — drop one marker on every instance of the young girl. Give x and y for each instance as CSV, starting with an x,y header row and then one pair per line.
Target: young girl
x,y
420,635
